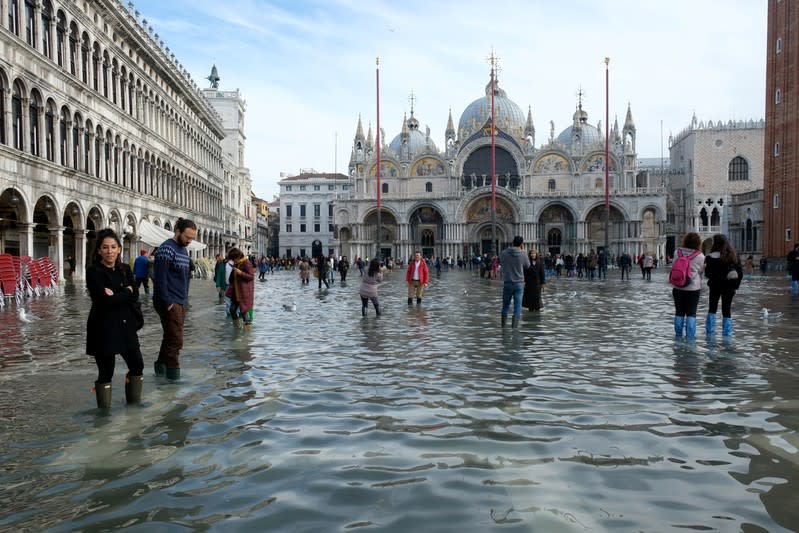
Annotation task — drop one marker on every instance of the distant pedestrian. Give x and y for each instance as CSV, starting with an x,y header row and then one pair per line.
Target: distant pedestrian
x,y
220,277
171,292
141,270
321,269
534,281
343,268
368,290
514,262
111,326
263,266
763,265
242,280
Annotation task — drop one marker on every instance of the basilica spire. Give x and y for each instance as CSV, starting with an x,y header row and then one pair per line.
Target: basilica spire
x,y
359,131
629,132
629,125
529,129
369,139
450,131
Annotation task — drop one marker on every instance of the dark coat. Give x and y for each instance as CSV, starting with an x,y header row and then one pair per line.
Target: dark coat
x,y
534,279
717,271
245,285
111,326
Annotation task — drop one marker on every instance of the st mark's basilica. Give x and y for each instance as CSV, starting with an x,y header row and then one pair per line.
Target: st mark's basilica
x,y
439,200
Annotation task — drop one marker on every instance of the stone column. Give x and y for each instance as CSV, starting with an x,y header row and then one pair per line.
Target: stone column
x,y
25,238
26,138
57,249
67,142
81,149
80,254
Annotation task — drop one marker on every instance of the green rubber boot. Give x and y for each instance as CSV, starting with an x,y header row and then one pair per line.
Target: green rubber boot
x,y
133,385
173,374
103,393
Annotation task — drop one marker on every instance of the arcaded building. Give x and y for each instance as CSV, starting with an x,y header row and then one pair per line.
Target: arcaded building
x,y
438,200
102,126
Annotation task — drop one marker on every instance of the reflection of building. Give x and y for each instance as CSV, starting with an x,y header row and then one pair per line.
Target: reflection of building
x,y
713,167
306,212
439,201
781,150
100,126
273,222
260,238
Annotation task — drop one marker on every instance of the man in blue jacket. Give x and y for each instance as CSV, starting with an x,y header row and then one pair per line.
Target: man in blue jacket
x,y
141,268
171,291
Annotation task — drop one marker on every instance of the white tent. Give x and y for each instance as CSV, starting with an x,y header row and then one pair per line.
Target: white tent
x,y
152,235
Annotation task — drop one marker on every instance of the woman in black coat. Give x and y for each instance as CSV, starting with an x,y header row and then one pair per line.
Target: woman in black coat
x,y
723,272
534,280
112,324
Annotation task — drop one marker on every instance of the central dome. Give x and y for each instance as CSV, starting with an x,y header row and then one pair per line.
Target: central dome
x,y
509,116
415,141
580,136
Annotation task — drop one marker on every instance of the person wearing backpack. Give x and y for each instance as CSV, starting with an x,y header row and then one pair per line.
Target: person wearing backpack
x,y
723,272
686,284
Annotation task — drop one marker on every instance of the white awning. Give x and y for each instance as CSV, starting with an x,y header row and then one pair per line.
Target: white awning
x,y
152,235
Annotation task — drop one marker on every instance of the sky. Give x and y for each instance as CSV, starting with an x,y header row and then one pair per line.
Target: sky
x,y
307,68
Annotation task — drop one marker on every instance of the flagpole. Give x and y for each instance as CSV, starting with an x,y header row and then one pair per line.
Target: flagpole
x,y
379,190
494,247
607,163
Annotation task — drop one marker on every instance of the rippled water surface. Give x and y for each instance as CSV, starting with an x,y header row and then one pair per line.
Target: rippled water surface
x,y
588,417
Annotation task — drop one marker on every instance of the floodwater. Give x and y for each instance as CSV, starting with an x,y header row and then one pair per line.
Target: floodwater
x,y
588,417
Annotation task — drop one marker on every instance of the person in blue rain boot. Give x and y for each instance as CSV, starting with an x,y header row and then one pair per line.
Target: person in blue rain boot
x,y
724,273
686,296
793,269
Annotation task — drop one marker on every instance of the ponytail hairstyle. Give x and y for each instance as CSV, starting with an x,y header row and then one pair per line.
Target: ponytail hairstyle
x,y
184,223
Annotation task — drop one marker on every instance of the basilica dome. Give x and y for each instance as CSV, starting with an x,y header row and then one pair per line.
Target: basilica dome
x,y
509,116
414,140
581,135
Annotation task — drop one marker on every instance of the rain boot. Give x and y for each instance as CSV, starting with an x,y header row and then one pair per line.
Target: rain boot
x,y
173,374
418,301
410,301
514,322
679,323
794,287
363,310
133,388
377,309
237,323
160,368
726,326
504,320
710,323
690,327
103,393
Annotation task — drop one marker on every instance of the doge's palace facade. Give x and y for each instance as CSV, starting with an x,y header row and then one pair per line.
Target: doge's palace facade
x,y
101,126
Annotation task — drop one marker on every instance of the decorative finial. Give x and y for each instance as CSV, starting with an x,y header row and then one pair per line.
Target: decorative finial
x,y
412,99
214,78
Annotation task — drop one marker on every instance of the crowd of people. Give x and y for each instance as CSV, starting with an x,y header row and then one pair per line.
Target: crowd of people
x,y
115,316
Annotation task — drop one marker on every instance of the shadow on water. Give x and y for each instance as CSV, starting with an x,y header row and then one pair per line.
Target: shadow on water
x,y
588,416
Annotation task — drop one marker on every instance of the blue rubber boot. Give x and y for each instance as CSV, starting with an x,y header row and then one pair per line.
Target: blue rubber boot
x,y
690,327
726,327
679,323
794,287
710,323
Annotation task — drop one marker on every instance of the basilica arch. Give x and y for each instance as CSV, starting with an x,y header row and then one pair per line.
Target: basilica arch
x,y
389,231
426,226
595,228
479,216
557,229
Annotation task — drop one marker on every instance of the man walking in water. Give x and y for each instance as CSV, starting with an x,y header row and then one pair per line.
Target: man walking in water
x,y
417,276
171,280
514,262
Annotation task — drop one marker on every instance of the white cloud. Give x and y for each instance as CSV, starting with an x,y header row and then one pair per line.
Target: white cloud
x,y
307,69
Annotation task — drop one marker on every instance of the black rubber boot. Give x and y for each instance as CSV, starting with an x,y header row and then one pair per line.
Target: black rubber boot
x,y
418,301
377,310
410,301
514,322
160,368
173,374
363,310
504,320
103,393
133,386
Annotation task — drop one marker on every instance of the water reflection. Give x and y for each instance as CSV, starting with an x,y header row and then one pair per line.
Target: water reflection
x,y
590,415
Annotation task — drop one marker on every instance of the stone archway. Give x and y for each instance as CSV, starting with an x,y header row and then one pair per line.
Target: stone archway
x,y
427,230
557,229
595,228
12,214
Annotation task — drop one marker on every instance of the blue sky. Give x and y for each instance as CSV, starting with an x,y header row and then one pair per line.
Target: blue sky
x,y
307,68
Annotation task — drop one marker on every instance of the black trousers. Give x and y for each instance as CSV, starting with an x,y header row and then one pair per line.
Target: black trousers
x,y
685,302
105,365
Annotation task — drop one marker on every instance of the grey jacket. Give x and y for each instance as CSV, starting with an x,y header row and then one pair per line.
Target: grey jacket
x,y
513,261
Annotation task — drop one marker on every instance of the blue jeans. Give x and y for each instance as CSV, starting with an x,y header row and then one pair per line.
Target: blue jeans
x,y
515,291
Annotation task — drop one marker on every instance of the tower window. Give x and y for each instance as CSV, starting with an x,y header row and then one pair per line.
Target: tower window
x,y
428,187
385,188
779,45
778,97
775,201
776,149
551,185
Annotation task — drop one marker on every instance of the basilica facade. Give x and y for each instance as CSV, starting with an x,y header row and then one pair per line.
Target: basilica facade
x,y
101,126
439,200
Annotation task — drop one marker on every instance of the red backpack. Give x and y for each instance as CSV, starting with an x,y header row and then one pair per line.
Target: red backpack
x,y
680,275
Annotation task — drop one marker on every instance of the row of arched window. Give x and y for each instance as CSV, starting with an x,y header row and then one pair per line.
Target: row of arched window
x,y
63,42
70,139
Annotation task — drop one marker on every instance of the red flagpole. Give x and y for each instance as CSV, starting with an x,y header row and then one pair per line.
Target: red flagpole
x,y
493,146
607,122
377,76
